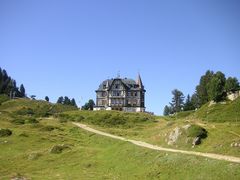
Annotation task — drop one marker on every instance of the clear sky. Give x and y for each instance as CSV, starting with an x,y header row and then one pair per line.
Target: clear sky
x,y
67,47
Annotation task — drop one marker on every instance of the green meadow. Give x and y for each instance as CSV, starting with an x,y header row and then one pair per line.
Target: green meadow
x,y
44,144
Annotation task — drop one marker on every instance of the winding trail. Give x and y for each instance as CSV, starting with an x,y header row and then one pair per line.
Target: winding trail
x,y
159,148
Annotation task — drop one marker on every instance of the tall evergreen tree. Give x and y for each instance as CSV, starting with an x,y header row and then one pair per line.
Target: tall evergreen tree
x,y
195,101
201,89
177,101
89,105
231,84
8,85
66,101
73,102
216,87
188,104
166,110
60,100
22,91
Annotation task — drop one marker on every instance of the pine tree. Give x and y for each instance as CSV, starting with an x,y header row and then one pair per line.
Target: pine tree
x,y
166,110
195,101
22,91
177,101
73,102
232,84
60,100
66,101
201,89
47,98
188,104
89,105
216,87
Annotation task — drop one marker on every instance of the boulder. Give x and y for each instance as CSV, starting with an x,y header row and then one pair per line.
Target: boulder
x,y
174,135
196,141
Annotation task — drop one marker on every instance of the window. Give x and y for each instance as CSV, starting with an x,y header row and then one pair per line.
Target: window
x,y
113,101
116,93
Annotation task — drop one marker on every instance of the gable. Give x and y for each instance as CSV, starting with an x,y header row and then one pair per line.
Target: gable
x,y
117,84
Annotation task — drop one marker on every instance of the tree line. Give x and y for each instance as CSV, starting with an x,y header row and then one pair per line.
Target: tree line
x,y
65,101
212,87
9,86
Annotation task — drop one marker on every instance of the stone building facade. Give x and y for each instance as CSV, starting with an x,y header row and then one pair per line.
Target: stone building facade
x,y
121,94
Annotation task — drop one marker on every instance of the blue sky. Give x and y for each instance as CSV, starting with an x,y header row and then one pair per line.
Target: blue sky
x,y
67,47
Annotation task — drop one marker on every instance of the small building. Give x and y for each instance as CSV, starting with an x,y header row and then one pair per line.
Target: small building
x,y
121,94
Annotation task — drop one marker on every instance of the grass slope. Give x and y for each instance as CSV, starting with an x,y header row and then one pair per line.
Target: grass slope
x,y
36,108
229,112
27,152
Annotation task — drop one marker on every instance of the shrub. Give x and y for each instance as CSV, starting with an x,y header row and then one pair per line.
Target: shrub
x,y
25,111
5,132
32,121
18,121
196,131
78,118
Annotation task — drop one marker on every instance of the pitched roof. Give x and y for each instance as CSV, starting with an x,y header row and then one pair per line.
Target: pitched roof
x,y
130,83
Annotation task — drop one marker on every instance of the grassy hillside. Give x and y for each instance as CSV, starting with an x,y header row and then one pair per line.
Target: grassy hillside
x,y
156,130
3,98
35,108
115,119
229,112
52,148
28,153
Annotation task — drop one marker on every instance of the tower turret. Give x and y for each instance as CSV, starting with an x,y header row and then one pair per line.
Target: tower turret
x,y
139,82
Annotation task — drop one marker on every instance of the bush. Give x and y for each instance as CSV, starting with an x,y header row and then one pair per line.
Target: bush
x,y
78,118
196,131
5,132
18,121
25,111
32,121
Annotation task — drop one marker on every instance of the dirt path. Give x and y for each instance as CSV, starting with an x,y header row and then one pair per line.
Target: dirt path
x,y
150,146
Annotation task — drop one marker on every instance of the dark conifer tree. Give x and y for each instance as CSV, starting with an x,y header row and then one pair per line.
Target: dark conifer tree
x,y
60,100
73,102
177,101
47,98
22,91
